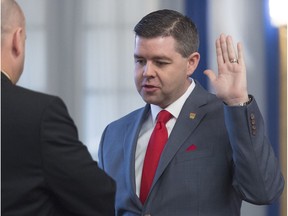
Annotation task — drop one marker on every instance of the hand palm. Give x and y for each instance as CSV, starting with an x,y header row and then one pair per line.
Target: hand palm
x,y
230,84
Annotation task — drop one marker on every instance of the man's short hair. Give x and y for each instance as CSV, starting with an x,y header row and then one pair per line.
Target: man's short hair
x,y
164,23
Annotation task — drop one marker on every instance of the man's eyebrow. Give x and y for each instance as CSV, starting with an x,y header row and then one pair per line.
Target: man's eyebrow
x,y
137,56
160,57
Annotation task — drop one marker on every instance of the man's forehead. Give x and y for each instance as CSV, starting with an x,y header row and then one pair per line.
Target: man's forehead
x,y
156,48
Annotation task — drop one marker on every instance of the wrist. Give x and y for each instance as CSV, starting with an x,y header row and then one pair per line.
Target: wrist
x,y
242,103
246,103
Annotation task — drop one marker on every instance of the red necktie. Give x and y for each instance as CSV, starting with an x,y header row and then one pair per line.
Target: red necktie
x,y
156,144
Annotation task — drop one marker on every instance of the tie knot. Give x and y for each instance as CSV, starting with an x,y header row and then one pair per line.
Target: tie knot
x,y
164,116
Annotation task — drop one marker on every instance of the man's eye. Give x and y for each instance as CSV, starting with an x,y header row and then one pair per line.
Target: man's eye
x,y
140,61
161,63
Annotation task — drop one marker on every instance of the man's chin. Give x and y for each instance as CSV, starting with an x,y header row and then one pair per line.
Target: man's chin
x,y
150,100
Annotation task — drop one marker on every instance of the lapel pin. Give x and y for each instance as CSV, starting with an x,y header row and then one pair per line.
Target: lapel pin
x,y
192,115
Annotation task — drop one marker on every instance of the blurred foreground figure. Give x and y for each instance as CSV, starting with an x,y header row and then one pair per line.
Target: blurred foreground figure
x,y
45,169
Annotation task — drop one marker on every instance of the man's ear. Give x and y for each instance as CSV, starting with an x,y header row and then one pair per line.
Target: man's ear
x,y
193,61
17,42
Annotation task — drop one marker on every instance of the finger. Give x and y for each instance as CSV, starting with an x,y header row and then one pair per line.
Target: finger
x,y
240,53
230,48
220,59
224,50
211,75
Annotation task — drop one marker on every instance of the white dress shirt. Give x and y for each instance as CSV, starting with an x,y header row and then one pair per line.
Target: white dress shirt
x,y
148,127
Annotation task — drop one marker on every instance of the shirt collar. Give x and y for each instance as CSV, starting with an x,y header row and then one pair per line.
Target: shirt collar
x,y
6,74
176,106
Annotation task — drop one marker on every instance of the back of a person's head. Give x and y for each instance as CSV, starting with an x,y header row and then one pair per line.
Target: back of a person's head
x,y
13,36
11,16
164,23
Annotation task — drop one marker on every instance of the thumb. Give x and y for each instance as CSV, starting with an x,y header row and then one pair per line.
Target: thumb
x,y
210,74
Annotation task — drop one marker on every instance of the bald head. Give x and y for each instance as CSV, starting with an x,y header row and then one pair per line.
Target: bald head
x,y
13,37
11,16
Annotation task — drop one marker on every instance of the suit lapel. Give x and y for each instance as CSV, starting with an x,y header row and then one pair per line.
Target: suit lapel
x,y
130,143
190,116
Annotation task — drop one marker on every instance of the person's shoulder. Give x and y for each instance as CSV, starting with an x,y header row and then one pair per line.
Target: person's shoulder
x,y
202,95
28,96
130,117
37,94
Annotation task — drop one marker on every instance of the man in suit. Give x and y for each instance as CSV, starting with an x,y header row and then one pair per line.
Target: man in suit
x,y
45,169
217,153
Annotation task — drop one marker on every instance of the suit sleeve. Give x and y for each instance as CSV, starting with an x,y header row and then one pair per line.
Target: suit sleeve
x,y
100,151
257,174
77,183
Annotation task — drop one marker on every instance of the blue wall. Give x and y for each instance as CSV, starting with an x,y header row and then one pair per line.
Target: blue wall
x,y
196,10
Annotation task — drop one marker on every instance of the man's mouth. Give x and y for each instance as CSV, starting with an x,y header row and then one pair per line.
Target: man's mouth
x,y
149,88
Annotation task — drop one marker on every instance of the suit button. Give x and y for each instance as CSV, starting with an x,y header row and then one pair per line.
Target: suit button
x,y
252,116
253,122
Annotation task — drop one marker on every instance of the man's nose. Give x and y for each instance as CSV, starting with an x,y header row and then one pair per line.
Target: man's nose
x,y
148,70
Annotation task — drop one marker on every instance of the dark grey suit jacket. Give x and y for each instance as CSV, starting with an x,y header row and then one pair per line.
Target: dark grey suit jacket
x,y
45,169
230,160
